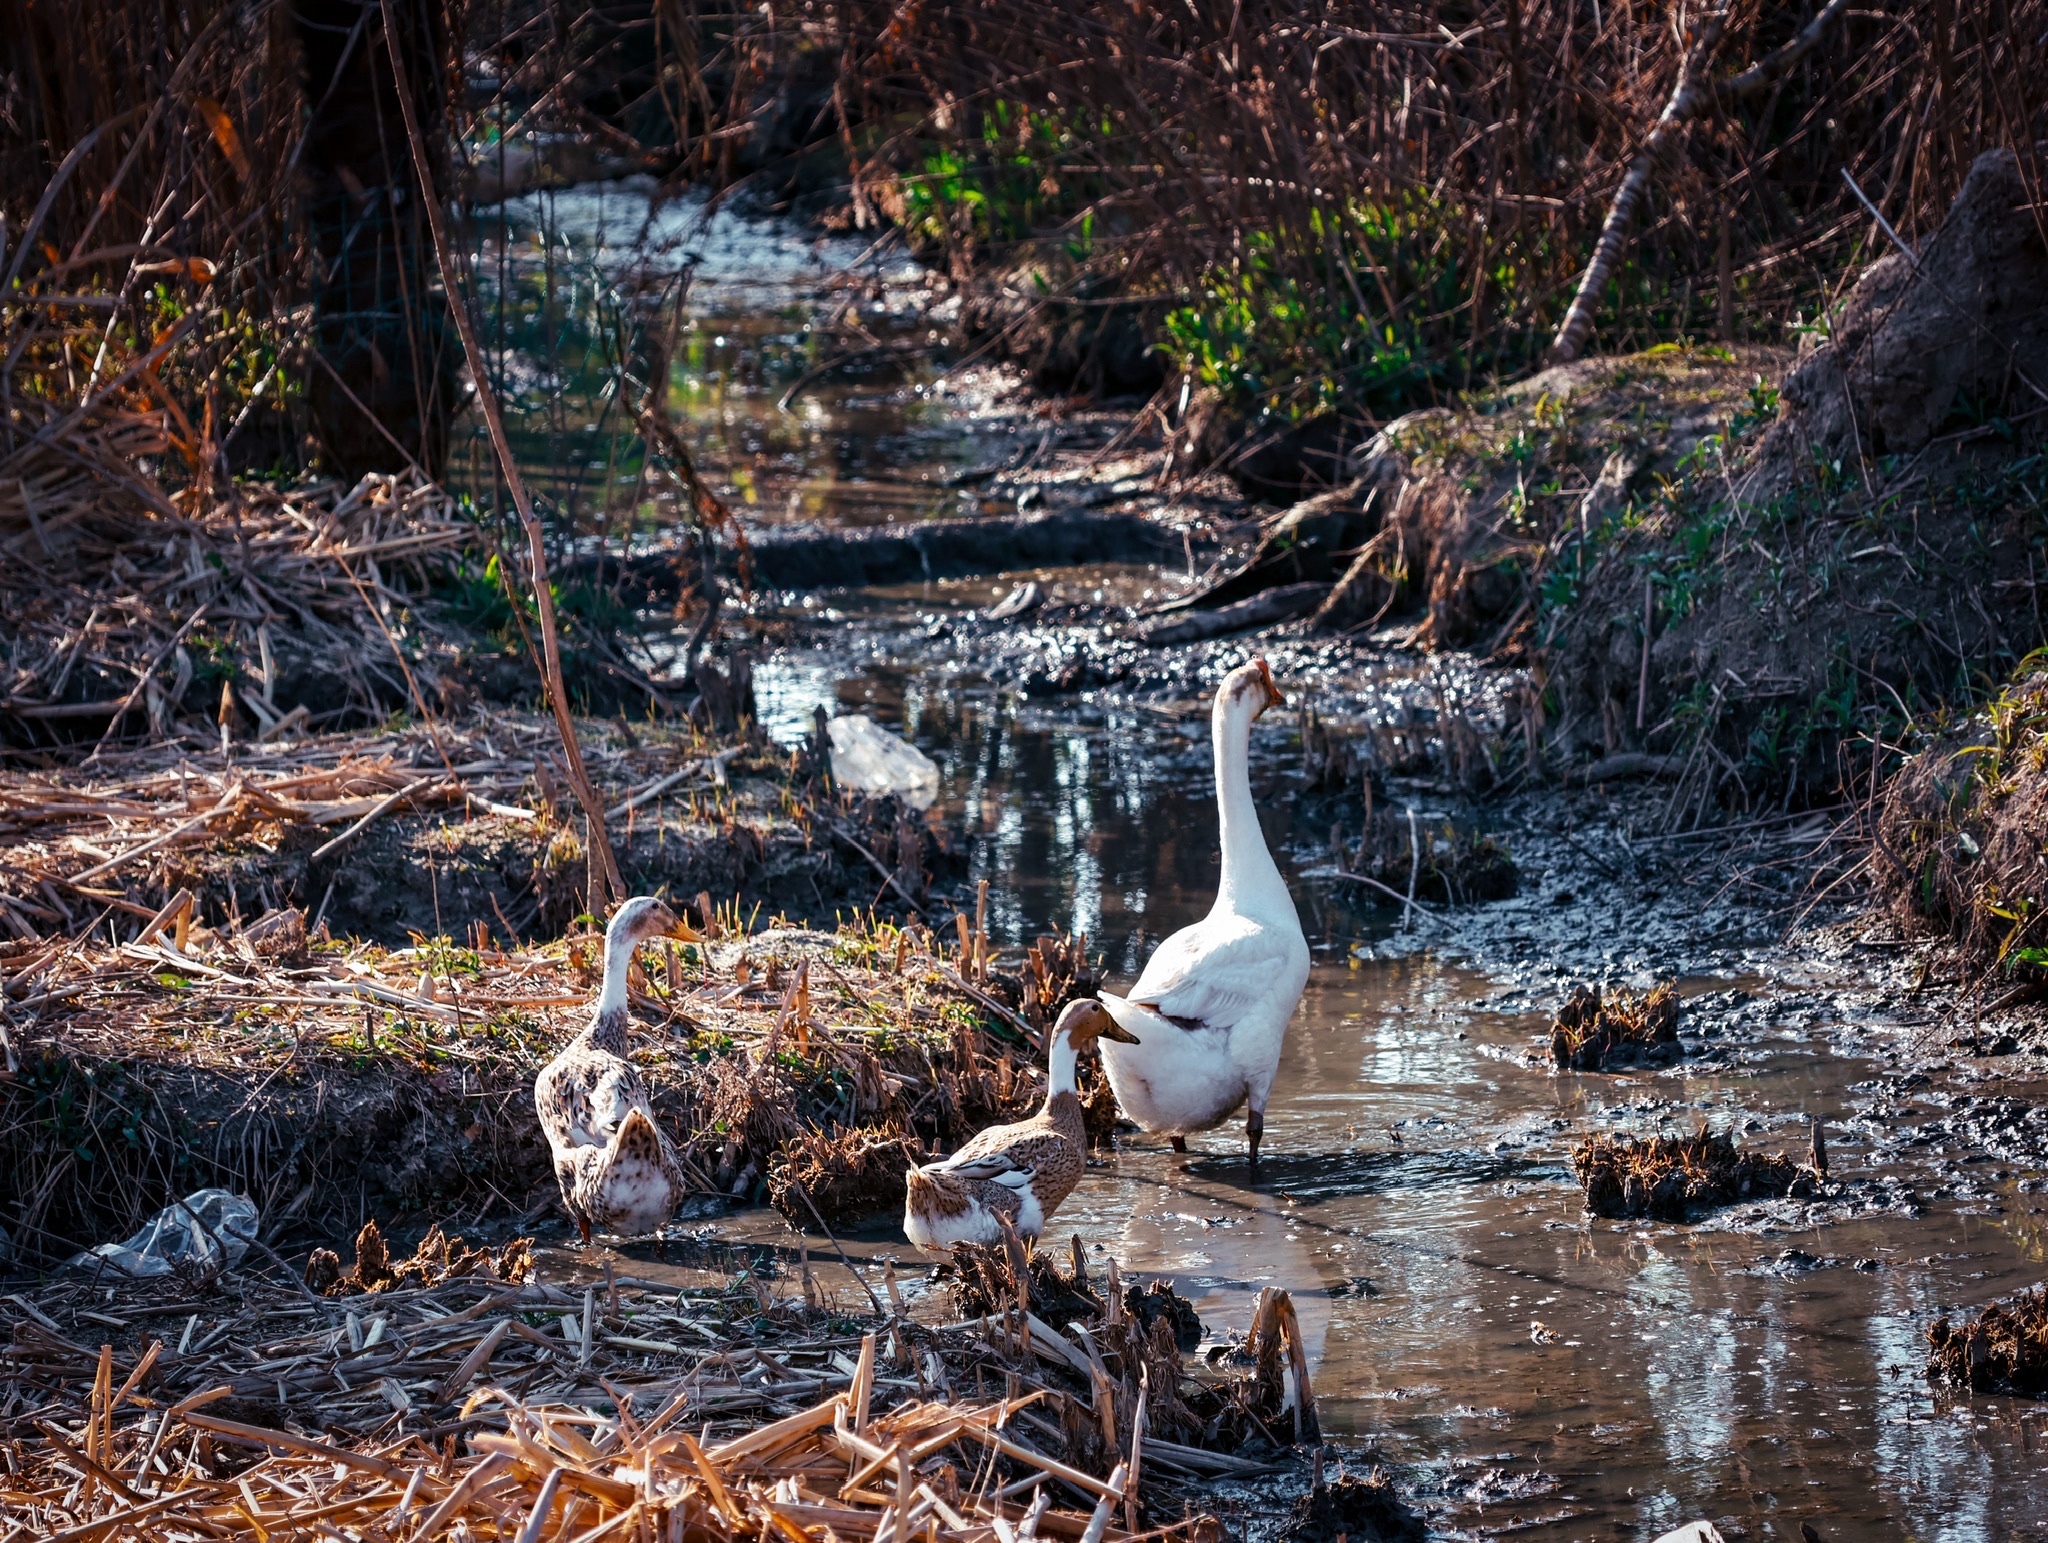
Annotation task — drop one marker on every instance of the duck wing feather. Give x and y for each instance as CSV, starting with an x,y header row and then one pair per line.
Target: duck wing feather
x,y
1003,1154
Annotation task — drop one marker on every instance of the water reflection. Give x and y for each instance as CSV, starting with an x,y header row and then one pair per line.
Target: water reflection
x,y
580,289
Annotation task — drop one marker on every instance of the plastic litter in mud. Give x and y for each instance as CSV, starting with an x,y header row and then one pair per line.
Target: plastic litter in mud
x,y
2003,1349
1677,1178
870,759
208,1231
1594,1033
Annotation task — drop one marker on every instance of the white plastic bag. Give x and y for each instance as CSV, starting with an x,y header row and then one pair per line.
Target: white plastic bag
x,y
869,759
196,1231
1694,1532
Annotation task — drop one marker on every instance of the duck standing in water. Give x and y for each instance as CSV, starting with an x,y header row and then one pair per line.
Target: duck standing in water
x,y
1015,1173
1212,1005
618,1172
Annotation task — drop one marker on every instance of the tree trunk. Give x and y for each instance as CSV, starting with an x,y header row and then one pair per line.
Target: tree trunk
x,y
382,385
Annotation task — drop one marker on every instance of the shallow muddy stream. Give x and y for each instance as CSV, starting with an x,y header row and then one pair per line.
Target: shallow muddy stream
x,y
1526,1369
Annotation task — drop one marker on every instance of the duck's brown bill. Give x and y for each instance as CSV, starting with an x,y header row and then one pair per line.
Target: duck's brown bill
x,y
1111,1029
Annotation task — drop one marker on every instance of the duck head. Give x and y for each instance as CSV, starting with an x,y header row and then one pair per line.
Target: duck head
x,y
639,919
632,924
1250,687
1086,1020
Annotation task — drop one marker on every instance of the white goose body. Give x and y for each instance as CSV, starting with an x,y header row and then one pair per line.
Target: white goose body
x,y
1212,1005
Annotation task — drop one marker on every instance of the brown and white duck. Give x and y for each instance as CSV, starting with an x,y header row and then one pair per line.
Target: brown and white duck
x,y
618,1172
1014,1173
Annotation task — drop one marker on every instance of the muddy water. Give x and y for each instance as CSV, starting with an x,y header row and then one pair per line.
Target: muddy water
x,y
1527,1370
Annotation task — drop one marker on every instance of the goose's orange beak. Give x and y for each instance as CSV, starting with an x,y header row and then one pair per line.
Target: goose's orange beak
x,y
1275,697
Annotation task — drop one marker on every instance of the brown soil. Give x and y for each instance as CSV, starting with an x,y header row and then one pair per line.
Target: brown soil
x,y
1595,1033
2003,1349
1678,1178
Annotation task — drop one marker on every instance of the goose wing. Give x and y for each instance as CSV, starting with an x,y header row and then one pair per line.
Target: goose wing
x,y
1209,975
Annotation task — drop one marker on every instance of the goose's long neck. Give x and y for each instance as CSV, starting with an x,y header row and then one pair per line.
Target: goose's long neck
x,y
608,1027
1249,873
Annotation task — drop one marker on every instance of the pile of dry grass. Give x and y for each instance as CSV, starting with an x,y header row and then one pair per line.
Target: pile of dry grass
x,y
530,1409
1266,1398
270,610
1677,1178
2003,1349
1957,833
1603,1032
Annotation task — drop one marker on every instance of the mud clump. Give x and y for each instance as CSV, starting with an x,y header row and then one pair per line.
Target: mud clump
x,y
2004,1349
1592,1033
1353,1510
1963,321
1680,1178
1157,1302
437,1260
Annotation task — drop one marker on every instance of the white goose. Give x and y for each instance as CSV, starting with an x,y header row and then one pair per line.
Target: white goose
x,y
1211,1008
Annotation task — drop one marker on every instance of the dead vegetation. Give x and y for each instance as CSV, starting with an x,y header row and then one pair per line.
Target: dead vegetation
x,y
1604,1031
436,1260
439,828
1263,1402
1957,836
508,1409
2003,1348
335,1080
1680,1178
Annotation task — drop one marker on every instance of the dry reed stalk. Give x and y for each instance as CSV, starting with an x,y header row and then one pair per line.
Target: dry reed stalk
x,y
527,1409
610,887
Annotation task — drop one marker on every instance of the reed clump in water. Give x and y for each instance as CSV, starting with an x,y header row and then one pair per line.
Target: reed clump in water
x,y
1361,1510
1255,1394
1600,1030
2003,1348
1677,1178
436,1259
